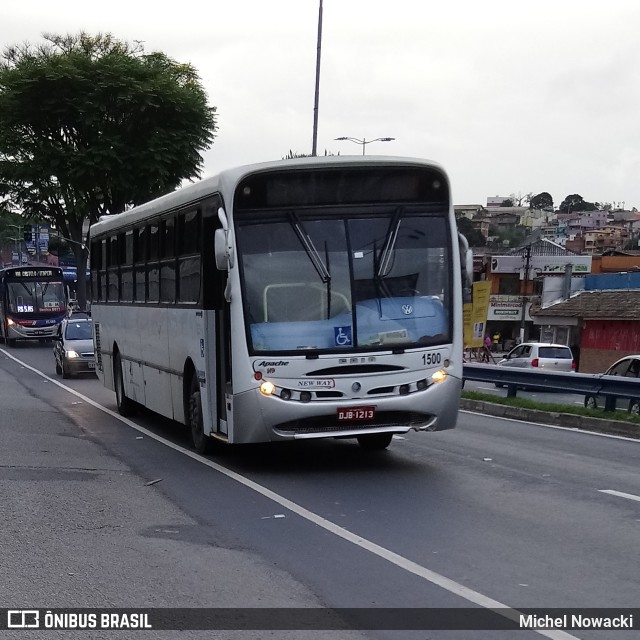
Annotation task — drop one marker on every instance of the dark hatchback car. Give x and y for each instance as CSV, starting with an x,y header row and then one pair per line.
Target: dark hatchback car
x,y
629,367
73,350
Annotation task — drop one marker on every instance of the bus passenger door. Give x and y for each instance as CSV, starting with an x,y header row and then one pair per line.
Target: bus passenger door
x,y
218,328
223,366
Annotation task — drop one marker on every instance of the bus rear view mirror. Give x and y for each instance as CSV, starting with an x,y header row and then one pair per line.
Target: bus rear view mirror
x,y
223,250
222,245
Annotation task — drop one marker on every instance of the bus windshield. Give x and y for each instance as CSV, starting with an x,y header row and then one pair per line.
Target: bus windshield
x,y
36,297
324,282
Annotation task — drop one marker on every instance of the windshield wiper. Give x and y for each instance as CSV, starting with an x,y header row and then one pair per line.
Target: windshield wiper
x,y
310,249
384,263
321,268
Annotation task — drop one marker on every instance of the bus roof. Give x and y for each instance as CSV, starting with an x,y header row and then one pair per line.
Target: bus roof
x,y
230,177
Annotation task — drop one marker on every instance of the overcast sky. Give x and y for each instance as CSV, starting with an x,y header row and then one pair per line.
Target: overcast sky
x,y
510,97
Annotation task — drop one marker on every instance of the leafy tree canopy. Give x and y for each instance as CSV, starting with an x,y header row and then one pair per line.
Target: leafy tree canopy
x,y
90,125
473,236
576,202
541,201
10,227
508,237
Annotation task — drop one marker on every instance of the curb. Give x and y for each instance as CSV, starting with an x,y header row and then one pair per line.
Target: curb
x,y
569,420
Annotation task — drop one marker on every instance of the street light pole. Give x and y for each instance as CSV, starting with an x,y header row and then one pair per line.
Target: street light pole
x,y
364,142
314,146
524,291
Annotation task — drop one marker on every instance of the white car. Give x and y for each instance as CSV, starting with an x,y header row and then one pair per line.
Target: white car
x,y
628,367
540,355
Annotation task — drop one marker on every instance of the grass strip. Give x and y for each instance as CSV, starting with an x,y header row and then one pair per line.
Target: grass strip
x,y
524,403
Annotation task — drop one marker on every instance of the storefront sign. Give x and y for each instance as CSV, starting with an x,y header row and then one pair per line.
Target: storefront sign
x,y
507,308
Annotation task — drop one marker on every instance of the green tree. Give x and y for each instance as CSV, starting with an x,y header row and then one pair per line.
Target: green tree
x,y
59,247
576,202
90,125
10,228
473,236
508,237
541,201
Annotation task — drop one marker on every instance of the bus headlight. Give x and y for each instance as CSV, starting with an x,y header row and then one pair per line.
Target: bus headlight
x,y
439,375
10,322
267,388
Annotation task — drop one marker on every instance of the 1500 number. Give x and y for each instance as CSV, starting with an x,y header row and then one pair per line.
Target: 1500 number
x,y
432,359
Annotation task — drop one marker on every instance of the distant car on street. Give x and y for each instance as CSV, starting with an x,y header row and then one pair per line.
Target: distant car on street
x,y
73,350
628,367
540,355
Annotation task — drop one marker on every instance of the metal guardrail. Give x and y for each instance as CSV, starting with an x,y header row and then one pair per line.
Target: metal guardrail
x,y
611,387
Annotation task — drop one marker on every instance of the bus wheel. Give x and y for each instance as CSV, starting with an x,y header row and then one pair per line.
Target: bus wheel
x,y
125,406
375,442
200,441
64,371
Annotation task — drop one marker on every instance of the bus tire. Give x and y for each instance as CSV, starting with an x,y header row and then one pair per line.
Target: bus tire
x,y
58,369
200,441
64,371
125,406
375,441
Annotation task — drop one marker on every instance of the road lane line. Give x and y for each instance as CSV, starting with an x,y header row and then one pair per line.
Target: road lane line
x,y
399,561
620,494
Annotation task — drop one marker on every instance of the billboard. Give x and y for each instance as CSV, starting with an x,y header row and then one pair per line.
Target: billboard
x,y
540,265
475,314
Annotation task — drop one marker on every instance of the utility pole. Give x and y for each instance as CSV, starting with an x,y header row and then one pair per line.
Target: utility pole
x,y
525,286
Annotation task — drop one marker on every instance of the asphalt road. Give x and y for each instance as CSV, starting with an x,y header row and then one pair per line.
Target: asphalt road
x,y
104,512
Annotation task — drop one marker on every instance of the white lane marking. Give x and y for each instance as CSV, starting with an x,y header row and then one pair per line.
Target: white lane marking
x,y
441,581
620,494
553,426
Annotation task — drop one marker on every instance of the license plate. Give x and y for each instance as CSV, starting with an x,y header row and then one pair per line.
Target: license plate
x,y
91,365
355,414
38,332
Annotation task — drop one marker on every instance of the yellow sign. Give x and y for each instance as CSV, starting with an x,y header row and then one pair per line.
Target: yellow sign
x,y
475,315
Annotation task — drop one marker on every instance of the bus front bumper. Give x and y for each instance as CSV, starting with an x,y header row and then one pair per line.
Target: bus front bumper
x,y
21,332
260,418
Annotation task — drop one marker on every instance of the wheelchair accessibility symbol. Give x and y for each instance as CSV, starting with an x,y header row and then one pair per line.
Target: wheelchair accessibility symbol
x,y
342,336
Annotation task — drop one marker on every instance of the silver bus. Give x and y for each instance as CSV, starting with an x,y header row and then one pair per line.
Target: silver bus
x,y
298,299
